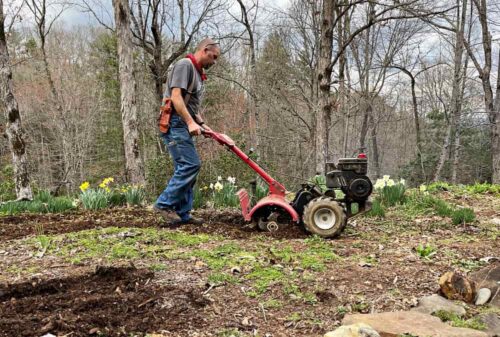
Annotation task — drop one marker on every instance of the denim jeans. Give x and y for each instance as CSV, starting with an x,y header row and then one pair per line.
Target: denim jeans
x,y
178,195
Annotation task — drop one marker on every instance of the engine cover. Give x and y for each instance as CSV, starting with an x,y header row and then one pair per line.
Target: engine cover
x,y
349,175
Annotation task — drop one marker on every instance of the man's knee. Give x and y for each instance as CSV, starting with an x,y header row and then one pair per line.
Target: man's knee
x,y
194,167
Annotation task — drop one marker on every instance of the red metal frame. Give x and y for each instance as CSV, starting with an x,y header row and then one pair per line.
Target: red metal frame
x,y
277,191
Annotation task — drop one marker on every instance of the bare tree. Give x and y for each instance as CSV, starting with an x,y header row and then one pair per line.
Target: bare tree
x,y
253,102
155,22
14,129
457,88
491,98
379,13
128,89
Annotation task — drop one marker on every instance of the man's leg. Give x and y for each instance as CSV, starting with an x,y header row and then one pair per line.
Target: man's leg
x,y
178,194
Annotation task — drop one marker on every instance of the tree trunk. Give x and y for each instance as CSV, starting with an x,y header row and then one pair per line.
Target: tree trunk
x,y
495,131
456,96
14,129
134,170
376,156
324,108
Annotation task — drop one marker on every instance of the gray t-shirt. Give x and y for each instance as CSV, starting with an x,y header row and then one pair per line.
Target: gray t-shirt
x,y
180,77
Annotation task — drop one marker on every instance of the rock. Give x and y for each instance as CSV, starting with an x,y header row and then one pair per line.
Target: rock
x,y
394,324
483,295
495,221
489,277
456,286
493,324
433,303
355,330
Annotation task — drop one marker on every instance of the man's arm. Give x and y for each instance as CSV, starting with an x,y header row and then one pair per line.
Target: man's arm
x,y
181,109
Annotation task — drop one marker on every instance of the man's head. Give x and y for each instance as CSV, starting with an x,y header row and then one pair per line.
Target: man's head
x,y
207,52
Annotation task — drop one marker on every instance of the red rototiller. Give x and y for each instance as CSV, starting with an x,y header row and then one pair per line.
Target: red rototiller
x,y
321,213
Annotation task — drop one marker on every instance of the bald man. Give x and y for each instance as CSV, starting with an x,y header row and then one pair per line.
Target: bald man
x,y
185,87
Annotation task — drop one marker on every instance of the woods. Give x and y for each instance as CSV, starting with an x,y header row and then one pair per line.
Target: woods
x,y
413,84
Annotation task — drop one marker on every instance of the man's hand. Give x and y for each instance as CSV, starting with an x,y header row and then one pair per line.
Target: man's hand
x,y
194,129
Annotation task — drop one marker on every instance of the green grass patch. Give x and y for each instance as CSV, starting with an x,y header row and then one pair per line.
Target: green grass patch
x,y
272,304
377,209
463,216
263,277
113,243
217,279
456,321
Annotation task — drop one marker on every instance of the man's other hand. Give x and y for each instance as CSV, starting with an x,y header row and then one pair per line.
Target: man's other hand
x,y
194,129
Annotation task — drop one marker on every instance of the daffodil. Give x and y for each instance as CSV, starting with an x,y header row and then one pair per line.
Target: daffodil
x,y
386,178
219,178
211,186
84,186
204,188
231,180
218,186
390,182
402,181
423,188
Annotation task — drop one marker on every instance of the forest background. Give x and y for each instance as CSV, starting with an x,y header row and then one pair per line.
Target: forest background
x,y
415,84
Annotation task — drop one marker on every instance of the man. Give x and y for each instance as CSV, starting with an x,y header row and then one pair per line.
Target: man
x,y
176,201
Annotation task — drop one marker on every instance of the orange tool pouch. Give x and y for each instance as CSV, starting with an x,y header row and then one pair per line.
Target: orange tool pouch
x,y
165,114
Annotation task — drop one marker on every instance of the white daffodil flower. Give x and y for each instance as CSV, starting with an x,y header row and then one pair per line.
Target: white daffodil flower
x,y
218,186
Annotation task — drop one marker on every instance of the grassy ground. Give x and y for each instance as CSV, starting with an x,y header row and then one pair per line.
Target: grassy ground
x,y
239,281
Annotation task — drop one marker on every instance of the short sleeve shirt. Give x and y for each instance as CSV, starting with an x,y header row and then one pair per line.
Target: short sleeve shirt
x,y
181,77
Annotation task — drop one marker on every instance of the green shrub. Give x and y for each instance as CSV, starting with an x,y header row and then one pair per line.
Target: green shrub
x,y
225,196
134,195
479,188
94,199
43,196
7,184
463,216
441,207
53,205
59,204
390,192
377,209
440,186
116,198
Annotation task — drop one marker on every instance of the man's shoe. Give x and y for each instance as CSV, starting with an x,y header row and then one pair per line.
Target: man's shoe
x,y
190,221
168,215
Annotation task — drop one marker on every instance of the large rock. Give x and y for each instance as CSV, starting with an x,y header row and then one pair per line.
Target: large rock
x,y
354,330
493,324
433,303
456,286
489,277
394,324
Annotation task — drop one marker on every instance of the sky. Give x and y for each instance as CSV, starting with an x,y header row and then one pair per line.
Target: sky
x,y
75,16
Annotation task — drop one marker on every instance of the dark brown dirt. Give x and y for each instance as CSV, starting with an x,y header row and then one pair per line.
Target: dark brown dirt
x,y
112,301
229,223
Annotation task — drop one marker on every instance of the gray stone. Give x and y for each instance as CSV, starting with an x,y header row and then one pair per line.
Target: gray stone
x,y
489,277
354,330
433,303
394,324
483,295
493,324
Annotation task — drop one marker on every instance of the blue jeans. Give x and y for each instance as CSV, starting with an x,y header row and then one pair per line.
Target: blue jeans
x,y
178,195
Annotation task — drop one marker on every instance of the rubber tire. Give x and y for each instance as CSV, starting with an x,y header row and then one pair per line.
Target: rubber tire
x,y
324,202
